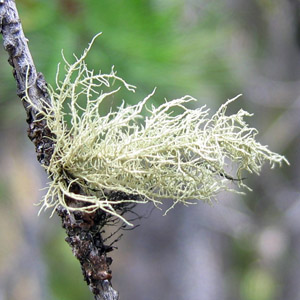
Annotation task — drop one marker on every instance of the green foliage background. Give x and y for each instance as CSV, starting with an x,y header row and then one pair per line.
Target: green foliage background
x,y
212,50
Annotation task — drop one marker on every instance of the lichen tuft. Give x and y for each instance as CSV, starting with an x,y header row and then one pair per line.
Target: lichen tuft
x,y
159,156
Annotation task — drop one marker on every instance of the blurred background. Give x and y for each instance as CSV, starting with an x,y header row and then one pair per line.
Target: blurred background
x,y
240,248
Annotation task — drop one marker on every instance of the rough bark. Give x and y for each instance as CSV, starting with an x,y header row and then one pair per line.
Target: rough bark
x,y
84,233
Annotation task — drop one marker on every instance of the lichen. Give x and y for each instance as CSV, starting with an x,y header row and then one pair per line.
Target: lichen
x,y
142,149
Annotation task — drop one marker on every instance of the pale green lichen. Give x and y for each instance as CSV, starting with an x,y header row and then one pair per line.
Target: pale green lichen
x,y
158,156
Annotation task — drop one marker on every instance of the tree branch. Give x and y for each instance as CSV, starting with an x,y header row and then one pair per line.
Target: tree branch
x,y
25,74
83,230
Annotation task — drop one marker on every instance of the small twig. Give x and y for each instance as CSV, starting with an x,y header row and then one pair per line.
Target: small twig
x,y
83,229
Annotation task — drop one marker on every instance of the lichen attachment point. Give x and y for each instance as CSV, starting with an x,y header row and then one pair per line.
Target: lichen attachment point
x,y
159,156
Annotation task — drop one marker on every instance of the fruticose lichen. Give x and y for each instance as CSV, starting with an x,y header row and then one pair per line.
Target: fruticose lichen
x,y
158,155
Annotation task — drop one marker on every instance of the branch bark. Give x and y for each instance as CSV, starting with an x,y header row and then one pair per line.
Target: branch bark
x,y
84,233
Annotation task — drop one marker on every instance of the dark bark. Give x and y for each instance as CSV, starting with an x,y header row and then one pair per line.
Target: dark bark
x,y
25,74
84,230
